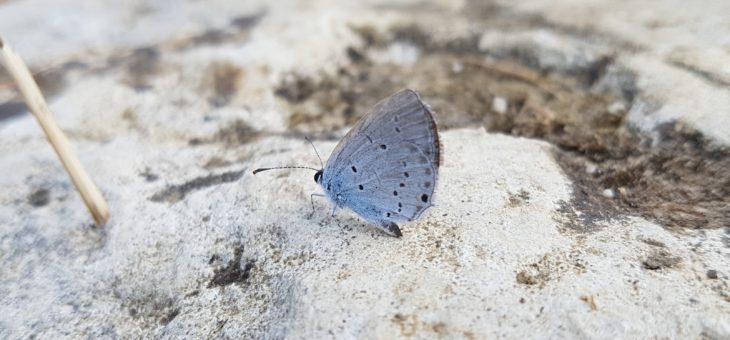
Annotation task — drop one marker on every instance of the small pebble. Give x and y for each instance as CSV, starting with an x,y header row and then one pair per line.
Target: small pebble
x,y
499,105
608,193
457,67
591,168
616,107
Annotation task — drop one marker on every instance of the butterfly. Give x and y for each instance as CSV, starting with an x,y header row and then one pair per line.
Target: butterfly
x,y
386,166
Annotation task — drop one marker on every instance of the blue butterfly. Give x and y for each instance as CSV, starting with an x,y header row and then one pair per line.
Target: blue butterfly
x,y
385,168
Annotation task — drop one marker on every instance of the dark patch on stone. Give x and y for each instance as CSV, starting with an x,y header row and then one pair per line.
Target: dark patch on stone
x,y
355,55
210,37
39,197
222,80
545,269
296,90
236,133
586,214
152,309
418,36
233,134
143,64
247,22
148,175
233,272
370,36
679,180
660,259
526,279
175,193
216,162
518,199
712,274
51,81
655,243
238,31
12,109
170,316
195,141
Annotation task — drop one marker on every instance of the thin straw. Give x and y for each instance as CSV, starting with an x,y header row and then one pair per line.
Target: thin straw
x,y
37,105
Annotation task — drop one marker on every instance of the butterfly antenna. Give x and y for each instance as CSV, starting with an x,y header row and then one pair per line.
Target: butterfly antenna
x,y
315,151
283,167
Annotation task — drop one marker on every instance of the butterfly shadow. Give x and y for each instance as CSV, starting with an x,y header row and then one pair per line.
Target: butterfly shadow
x,y
345,220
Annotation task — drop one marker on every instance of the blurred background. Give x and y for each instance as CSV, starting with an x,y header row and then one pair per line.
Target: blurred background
x,y
170,104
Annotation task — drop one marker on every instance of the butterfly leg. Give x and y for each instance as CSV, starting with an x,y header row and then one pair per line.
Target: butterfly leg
x,y
311,199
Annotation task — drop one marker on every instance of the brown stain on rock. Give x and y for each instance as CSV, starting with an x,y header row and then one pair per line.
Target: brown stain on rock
x,y
408,324
591,301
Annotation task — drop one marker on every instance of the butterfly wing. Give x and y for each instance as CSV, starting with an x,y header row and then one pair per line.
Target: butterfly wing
x,y
385,168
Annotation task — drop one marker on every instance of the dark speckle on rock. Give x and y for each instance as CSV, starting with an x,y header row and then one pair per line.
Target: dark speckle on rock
x,y
39,197
149,176
660,259
247,22
233,272
526,279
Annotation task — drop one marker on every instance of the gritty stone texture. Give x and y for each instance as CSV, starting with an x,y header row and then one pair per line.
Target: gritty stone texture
x,y
170,106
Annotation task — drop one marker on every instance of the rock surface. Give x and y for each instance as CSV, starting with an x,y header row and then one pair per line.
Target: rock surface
x,y
592,202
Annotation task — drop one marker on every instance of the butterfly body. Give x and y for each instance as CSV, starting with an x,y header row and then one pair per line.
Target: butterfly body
x,y
385,168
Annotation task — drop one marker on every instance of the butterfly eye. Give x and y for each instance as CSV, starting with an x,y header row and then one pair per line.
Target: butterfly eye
x,y
317,175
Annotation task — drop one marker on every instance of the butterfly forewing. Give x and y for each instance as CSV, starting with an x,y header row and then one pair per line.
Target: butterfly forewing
x,y
385,168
